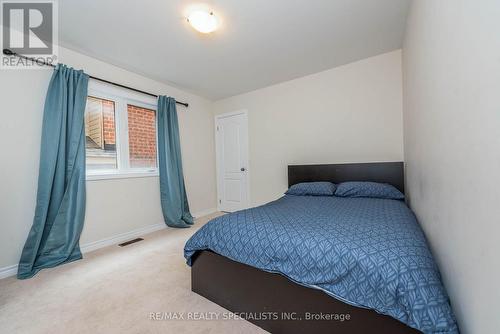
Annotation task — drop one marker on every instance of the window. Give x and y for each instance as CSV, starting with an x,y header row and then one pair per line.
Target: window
x,y
120,133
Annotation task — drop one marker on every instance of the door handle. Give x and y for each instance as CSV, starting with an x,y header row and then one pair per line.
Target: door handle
x,y
242,169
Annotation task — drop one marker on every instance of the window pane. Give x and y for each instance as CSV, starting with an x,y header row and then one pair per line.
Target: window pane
x,y
100,134
141,137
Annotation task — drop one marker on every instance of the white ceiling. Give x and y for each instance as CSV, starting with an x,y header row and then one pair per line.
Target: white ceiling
x,y
260,42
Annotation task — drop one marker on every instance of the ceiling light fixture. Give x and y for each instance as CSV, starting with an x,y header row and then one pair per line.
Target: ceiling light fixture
x,y
203,21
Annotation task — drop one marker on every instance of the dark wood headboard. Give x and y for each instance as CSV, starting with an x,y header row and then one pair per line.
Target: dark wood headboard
x,y
383,172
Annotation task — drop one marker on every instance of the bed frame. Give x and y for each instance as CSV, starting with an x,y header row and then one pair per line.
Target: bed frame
x,y
261,297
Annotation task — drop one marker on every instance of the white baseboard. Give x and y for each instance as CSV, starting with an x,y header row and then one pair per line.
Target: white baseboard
x,y
92,246
204,212
116,239
8,271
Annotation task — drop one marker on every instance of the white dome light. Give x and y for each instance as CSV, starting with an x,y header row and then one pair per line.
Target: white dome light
x,y
204,22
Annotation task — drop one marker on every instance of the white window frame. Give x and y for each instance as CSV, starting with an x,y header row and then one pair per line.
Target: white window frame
x,y
122,97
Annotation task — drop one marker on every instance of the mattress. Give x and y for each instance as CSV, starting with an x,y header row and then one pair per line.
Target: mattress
x,y
367,252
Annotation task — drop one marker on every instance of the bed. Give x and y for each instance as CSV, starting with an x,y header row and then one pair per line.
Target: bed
x,y
324,264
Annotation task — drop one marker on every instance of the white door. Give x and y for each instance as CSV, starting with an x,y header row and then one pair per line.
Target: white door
x,y
232,161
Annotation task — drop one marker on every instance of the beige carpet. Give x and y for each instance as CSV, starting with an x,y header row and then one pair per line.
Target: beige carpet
x,y
114,290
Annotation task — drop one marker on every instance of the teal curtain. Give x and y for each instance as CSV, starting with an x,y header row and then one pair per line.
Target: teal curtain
x,y
60,203
174,201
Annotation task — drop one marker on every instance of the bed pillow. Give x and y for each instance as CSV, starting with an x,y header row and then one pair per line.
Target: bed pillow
x,y
368,189
312,189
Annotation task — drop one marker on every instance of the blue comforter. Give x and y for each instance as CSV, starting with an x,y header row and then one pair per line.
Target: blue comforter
x,y
367,252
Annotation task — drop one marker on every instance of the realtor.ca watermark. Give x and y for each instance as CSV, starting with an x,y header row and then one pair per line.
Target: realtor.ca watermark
x,y
29,29
257,316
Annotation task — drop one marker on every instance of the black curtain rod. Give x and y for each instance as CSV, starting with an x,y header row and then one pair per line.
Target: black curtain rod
x,y
8,52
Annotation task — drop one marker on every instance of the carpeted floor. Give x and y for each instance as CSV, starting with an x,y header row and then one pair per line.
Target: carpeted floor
x,y
115,290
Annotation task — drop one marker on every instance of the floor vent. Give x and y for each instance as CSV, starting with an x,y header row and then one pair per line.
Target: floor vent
x,y
133,241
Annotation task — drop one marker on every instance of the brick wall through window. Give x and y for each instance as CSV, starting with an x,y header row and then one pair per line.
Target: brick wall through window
x,y
142,136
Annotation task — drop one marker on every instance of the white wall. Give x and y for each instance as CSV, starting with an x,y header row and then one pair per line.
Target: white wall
x,y
452,148
351,113
113,206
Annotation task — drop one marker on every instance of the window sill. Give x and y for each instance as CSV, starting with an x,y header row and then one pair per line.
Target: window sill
x,y
122,175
